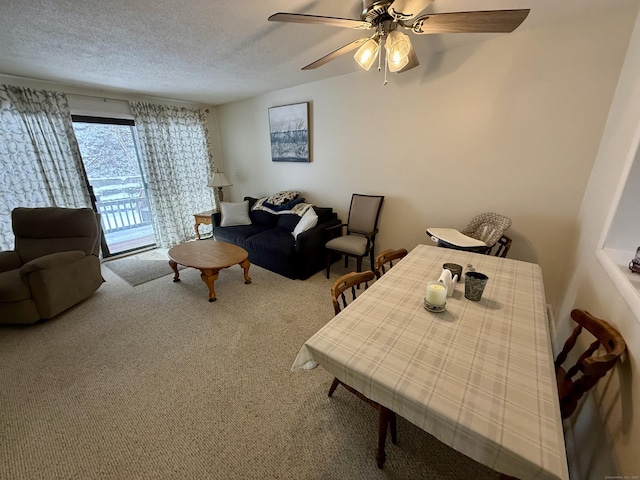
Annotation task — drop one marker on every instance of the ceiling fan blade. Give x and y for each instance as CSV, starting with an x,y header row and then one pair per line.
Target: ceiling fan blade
x,y
495,21
336,53
315,19
407,9
413,61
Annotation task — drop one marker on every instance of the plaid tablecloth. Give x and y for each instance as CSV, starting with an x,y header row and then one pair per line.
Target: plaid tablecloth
x,y
479,376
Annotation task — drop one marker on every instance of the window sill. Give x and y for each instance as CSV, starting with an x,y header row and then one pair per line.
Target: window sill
x,y
616,264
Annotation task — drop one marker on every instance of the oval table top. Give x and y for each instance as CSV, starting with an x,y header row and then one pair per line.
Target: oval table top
x,y
207,254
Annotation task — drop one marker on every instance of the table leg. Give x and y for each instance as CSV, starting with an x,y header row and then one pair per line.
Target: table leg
x,y
392,424
245,266
197,231
209,276
176,273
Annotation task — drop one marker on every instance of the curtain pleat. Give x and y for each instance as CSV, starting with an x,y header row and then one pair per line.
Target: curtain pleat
x,y
40,162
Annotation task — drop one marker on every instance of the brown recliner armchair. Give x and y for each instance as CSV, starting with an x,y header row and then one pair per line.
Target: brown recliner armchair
x,y
55,263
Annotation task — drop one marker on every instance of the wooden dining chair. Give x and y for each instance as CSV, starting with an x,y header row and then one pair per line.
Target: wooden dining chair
x,y
504,244
592,368
348,281
387,418
384,260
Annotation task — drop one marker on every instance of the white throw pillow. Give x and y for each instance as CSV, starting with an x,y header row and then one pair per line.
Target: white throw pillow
x,y
308,220
234,214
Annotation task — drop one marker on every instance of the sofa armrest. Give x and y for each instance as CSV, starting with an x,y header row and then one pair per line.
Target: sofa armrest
x,y
216,218
51,261
315,238
9,260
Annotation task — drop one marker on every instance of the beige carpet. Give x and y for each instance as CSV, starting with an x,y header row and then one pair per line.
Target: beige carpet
x,y
155,382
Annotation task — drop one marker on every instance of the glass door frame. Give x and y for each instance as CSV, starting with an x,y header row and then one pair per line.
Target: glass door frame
x,y
106,253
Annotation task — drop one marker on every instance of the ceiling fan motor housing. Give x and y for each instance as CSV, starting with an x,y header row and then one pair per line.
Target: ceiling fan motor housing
x,y
374,11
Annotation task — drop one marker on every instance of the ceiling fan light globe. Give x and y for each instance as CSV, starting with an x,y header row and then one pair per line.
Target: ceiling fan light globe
x,y
397,63
367,54
397,44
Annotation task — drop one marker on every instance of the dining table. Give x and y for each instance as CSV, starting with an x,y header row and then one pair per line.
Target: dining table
x,y
478,376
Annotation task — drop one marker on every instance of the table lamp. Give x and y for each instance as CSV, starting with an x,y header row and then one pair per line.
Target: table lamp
x,y
217,181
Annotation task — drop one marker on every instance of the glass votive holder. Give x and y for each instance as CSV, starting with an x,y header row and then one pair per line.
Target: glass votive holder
x,y
435,297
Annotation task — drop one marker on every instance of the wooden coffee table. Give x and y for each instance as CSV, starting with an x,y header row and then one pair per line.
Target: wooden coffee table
x,y
209,256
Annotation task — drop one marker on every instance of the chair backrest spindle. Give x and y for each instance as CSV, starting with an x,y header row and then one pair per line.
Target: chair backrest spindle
x,y
384,260
349,281
504,244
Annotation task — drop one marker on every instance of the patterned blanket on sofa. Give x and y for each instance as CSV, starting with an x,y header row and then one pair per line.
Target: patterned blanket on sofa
x,y
287,202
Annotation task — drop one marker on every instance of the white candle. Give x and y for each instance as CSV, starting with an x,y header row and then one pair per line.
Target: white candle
x,y
436,294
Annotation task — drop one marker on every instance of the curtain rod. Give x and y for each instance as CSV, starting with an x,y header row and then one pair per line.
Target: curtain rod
x,y
29,79
104,98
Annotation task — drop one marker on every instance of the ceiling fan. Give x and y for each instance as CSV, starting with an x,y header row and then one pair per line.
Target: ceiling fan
x,y
386,17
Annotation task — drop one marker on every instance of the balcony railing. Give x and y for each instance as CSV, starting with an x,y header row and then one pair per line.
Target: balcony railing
x,y
124,214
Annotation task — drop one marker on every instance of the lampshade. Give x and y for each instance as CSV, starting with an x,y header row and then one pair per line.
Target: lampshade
x,y
219,179
398,47
367,53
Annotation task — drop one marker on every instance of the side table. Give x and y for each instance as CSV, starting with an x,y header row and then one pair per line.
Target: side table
x,y
202,218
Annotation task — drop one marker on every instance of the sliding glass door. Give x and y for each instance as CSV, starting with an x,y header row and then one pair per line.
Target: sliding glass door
x,y
110,155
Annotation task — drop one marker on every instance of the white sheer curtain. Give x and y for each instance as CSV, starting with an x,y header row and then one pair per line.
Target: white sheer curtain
x,y
40,163
176,161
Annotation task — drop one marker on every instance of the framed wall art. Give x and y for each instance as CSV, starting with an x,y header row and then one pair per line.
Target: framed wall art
x,y
289,132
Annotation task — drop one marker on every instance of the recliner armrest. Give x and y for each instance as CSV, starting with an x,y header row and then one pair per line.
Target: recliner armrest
x,y
9,260
51,261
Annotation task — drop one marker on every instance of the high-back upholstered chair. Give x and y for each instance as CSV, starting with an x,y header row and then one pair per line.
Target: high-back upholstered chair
x,y
480,234
384,260
360,237
55,263
572,386
387,418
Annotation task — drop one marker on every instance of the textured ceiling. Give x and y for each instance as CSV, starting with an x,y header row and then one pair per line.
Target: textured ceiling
x,y
211,51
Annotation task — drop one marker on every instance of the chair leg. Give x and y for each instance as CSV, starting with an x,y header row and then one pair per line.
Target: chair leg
x,y
334,385
346,261
359,263
328,263
383,422
371,258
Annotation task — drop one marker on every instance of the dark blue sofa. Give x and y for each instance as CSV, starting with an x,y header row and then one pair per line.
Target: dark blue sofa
x,y
271,245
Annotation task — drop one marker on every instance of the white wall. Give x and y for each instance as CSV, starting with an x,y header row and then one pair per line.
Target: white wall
x,y
511,125
605,433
